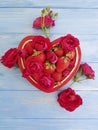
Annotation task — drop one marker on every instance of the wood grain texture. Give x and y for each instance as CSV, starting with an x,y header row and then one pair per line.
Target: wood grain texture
x,y
19,83
34,104
88,44
54,3
43,124
22,106
75,21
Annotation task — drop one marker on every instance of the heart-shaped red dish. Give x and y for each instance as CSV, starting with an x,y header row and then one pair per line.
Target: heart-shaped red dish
x,y
47,65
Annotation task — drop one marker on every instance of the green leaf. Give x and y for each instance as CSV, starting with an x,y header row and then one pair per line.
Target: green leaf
x,y
47,9
55,15
43,12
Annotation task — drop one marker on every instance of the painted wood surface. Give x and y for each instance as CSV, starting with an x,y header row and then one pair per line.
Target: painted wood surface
x,y
54,3
22,106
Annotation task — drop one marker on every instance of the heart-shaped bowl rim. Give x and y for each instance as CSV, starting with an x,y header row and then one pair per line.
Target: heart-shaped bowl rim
x,y
72,73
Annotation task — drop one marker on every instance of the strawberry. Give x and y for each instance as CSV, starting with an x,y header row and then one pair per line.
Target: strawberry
x,y
62,64
70,55
59,52
39,56
49,68
28,47
57,76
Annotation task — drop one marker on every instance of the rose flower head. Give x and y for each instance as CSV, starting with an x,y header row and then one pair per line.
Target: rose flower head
x,y
52,57
69,100
88,71
46,82
31,67
48,22
69,43
41,43
45,21
10,57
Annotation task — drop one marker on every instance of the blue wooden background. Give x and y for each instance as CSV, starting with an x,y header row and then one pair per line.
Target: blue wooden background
x,y
22,106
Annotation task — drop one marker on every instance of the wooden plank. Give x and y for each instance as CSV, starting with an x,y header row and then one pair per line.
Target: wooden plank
x,y
7,75
88,43
43,124
54,3
34,104
11,79
24,107
19,20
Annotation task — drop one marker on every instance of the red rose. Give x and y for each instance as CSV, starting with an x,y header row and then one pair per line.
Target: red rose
x,y
69,43
88,71
47,21
37,23
51,57
10,58
25,73
32,66
69,100
36,76
66,72
46,82
41,43
23,53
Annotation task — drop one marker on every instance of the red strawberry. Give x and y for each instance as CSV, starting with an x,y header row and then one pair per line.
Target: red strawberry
x,y
39,56
49,68
57,76
62,64
28,47
70,55
59,52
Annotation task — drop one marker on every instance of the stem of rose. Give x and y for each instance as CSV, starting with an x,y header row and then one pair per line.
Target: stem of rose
x,y
44,27
45,32
78,81
72,83
82,80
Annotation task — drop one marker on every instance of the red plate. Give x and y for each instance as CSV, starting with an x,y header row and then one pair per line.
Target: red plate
x,y
21,62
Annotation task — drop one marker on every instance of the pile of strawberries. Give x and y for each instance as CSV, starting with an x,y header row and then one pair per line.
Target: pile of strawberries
x,y
49,63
